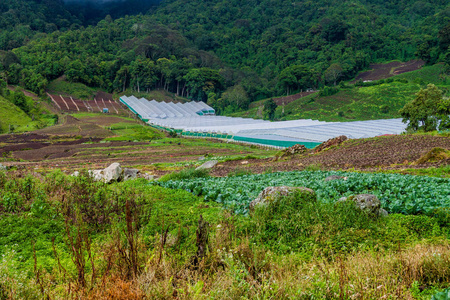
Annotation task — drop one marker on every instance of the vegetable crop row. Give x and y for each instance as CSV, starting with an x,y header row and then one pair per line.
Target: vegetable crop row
x,y
405,194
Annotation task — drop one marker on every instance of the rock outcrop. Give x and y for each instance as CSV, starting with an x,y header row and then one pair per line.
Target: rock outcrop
x,y
115,173
129,174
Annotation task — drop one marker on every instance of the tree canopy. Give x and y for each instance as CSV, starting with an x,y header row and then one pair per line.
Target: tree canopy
x,y
428,111
201,48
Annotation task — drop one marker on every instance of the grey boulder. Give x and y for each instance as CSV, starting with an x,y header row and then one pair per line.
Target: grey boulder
x,y
112,173
208,165
129,174
273,192
368,203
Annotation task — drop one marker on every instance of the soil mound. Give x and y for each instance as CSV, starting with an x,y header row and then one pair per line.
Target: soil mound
x,y
331,142
296,149
434,155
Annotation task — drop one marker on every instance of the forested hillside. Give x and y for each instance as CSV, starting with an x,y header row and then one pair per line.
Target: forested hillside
x,y
20,20
227,53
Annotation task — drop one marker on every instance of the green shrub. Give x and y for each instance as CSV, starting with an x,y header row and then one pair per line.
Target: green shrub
x,y
444,295
239,172
384,108
328,91
11,202
402,80
420,226
299,222
185,174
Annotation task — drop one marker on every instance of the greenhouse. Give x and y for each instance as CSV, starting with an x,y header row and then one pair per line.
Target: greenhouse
x,y
197,119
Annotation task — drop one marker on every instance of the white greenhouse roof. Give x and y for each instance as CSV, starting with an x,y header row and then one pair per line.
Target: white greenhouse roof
x,y
198,117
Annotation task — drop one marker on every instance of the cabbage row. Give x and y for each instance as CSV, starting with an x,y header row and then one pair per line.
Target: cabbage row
x,y
405,194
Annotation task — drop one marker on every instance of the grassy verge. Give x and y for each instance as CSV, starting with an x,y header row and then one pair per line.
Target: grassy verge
x,y
443,171
75,89
13,119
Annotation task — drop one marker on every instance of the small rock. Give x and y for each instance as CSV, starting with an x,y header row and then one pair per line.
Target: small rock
x,y
170,241
272,192
368,203
201,158
208,165
382,212
3,168
75,174
129,174
333,177
147,176
245,162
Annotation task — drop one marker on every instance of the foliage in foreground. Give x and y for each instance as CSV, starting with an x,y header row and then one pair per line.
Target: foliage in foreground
x,y
131,240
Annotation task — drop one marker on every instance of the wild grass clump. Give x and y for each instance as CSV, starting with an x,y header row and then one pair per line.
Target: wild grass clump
x,y
300,223
186,174
239,172
435,154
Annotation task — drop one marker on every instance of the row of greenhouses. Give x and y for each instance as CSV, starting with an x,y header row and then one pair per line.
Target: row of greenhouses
x,y
197,119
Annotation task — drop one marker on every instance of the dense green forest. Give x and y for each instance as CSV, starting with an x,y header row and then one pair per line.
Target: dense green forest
x,y
228,53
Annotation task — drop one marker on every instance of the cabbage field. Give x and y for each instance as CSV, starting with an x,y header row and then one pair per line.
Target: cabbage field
x,y
404,194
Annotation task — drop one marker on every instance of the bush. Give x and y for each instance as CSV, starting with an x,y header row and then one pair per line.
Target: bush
x,y
185,174
328,91
299,222
444,295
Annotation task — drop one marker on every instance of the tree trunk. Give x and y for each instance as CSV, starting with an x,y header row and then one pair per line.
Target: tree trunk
x,y
137,79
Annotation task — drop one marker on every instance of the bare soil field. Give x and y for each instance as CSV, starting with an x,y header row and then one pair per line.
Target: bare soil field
x,y
45,151
95,154
383,71
387,152
101,101
75,127
79,143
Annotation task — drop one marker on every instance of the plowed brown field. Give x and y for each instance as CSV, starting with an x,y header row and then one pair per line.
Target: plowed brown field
x,y
383,71
387,152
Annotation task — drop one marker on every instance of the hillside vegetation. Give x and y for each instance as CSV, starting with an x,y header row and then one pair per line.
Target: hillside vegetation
x,y
233,52
11,115
19,113
379,99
